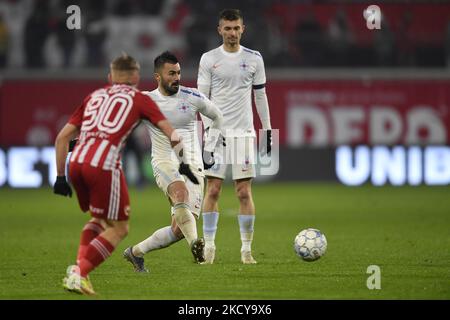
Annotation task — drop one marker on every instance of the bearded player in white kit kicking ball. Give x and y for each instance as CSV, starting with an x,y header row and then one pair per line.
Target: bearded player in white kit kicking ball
x,y
180,105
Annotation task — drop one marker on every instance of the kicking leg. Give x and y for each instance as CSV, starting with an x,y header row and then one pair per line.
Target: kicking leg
x,y
161,238
185,219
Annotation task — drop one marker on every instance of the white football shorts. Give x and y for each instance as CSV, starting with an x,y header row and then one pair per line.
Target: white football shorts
x,y
166,172
239,153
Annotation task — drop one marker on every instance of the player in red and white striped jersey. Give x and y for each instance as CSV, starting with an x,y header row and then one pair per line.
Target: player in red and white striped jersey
x,y
103,122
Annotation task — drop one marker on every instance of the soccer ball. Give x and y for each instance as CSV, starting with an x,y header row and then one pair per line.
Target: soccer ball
x,y
310,244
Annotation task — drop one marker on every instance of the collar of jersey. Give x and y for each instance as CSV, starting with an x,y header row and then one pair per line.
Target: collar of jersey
x,y
231,54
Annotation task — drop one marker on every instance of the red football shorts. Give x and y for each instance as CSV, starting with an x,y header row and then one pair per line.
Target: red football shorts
x,y
103,193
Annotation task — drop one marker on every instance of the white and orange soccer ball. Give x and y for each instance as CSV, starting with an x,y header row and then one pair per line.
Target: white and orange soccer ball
x,y
310,244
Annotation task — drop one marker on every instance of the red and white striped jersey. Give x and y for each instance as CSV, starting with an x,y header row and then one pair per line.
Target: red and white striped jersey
x,y
106,118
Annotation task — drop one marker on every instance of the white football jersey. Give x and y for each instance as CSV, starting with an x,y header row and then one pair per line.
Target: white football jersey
x,y
231,77
180,110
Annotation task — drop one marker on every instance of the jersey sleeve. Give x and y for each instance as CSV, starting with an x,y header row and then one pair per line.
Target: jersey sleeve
x,y
204,73
206,108
259,79
149,109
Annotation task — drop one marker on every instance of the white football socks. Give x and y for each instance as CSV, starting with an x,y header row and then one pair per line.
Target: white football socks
x,y
210,220
246,224
161,238
185,221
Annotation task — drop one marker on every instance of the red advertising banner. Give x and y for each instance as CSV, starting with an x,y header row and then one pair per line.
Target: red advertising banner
x,y
307,112
33,111
336,112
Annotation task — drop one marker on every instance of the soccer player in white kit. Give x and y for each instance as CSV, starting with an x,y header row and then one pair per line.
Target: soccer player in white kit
x,y
227,76
180,106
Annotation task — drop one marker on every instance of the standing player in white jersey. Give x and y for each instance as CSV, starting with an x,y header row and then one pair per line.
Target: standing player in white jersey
x,y
103,122
180,106
228,75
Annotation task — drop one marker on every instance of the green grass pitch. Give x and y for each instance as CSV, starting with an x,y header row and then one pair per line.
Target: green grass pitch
x,y
403,230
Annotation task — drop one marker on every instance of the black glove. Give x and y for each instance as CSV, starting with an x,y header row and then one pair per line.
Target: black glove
x,y
61,187
208,160
267,148
72,144
186,170
221,137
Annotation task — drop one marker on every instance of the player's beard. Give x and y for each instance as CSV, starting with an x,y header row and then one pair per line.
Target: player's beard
x,y
233,41
171,89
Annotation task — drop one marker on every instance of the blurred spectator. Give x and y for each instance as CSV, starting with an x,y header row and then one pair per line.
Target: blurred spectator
x,y
37,30
405,41
15,13
257,32
196,39
152,8
340,39
309,40
95,32
384,44
278,52
65,38
200,29
4,35
31,34
142,35
125,8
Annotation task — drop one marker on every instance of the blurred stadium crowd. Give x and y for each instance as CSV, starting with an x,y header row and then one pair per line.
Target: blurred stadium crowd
x,y
33,33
